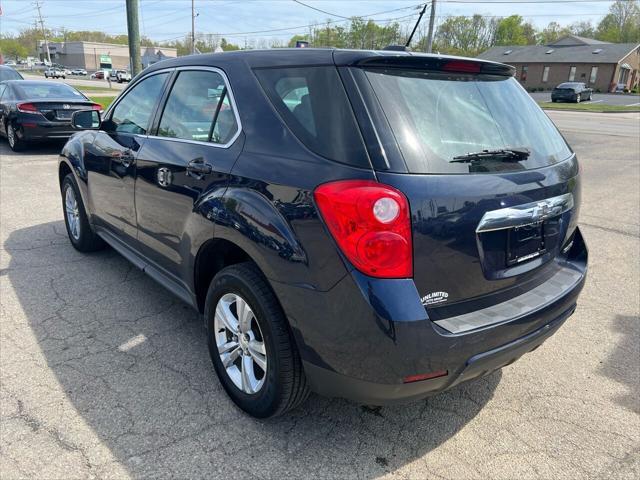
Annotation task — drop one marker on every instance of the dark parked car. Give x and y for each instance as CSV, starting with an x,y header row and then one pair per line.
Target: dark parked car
x,y
33,111
378,226
571,92
8,73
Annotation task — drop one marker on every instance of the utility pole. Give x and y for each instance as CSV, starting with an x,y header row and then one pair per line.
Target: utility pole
x,y
44,34
415,27
431,21
133,30
193,27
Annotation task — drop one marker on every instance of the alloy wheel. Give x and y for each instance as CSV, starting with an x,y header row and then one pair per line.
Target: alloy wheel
x,y
11,136
73,214
240,343
578,98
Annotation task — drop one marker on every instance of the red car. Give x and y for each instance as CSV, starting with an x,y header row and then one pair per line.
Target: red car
x,y
99,75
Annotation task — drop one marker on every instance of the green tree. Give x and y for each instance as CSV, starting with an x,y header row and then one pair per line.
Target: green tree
x,y
583,29
621,24
462,35
511,31
553,32
12,48
227,46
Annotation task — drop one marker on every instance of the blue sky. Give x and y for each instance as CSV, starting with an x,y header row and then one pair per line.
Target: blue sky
x,y
238,19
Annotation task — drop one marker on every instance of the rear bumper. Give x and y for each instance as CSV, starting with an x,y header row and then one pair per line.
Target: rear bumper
x,y
332,384
362,338
33,131
564,98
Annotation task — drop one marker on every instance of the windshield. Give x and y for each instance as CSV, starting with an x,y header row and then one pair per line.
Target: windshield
x,y
48,90
436,117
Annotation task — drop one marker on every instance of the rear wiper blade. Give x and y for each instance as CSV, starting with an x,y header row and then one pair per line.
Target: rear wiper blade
x,y
507,154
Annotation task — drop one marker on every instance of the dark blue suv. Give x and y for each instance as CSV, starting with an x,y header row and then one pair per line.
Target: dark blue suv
x,y
379,226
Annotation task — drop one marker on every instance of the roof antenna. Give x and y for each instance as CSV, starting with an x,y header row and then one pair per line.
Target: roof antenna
x,y
424,9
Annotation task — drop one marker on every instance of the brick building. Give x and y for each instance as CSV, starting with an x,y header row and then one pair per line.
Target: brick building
x,y
601,65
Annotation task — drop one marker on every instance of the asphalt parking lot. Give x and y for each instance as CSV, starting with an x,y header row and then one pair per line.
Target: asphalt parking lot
x,y
103,374
604,98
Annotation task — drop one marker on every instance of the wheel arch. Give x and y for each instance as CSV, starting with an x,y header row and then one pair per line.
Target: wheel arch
x,y
213,256
71,160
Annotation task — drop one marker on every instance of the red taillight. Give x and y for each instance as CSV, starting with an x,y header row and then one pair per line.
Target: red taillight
x,y
370,223
96,106
463,66
27,108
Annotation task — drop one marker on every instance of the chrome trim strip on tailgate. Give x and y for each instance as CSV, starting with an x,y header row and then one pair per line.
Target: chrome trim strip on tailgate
x,y
539,297
526,214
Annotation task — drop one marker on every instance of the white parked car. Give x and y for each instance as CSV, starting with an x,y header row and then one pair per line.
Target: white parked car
x,y
120,76
78,71
54,72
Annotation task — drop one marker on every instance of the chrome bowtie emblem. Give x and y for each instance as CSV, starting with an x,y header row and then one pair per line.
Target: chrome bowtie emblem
x,y
540,212
165,177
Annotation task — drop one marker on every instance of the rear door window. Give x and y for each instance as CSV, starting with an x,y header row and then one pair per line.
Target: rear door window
x,y
438,116
198,108
313,104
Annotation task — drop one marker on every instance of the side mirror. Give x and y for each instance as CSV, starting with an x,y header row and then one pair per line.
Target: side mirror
x,y
86,120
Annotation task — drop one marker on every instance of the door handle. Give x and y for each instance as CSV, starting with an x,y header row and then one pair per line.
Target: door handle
x,y
125,157
197,168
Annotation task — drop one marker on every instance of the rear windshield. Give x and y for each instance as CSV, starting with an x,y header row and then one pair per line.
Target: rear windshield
x,y
47,90
313,104
568,85
438,116
9,74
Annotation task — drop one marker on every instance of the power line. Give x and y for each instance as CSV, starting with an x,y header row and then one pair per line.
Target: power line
x,y
320,10
291,30
529,1
284,29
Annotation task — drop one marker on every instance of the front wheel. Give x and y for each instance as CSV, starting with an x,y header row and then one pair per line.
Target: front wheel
x,y
578,98
82,237
250,344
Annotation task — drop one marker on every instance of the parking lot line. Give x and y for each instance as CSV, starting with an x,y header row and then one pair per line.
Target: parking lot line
x,y
593,101
633,104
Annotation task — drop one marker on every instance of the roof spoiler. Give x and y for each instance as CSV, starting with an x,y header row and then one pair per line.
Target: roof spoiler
x,y
435,63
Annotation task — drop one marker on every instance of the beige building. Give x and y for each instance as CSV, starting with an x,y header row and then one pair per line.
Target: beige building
x,y
102,56
600,65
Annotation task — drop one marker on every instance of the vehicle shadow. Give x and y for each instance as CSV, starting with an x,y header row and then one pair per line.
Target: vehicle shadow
x,y
40,148
132,361
625,355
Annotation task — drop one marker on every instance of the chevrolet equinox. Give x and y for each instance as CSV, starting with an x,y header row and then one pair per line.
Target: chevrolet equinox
x,y
373,225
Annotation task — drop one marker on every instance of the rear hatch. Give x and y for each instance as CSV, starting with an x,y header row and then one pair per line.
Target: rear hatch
x,y
492,185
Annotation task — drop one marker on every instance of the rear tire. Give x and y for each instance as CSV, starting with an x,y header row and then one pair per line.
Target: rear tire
x,y
15,143
81,236
282,385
